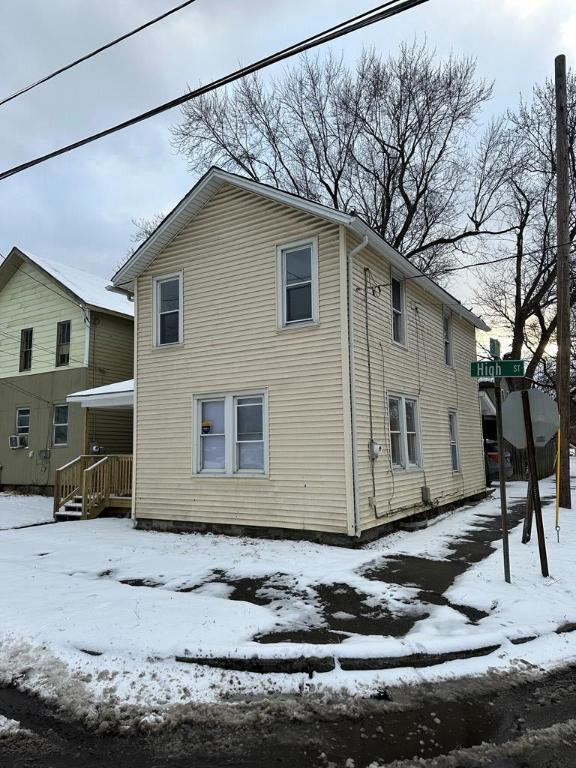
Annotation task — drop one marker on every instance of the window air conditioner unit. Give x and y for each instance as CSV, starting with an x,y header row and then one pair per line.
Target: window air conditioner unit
x,y
18,441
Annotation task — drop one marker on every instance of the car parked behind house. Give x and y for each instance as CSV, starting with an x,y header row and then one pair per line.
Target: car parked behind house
x,y
493,462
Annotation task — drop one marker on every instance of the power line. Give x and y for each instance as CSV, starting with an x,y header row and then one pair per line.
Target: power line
x,y
25,391
90,55
470,266
379,13
39,346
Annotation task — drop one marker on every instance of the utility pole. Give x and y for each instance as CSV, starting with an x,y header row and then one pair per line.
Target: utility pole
x,y
563,278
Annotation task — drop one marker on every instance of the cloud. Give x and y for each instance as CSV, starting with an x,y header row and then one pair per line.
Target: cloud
x,y
78,208
526,8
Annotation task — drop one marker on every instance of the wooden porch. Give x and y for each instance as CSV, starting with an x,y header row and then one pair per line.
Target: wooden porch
x,y
88,485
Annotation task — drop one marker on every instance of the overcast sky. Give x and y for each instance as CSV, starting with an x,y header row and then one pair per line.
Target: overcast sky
x,y
78,209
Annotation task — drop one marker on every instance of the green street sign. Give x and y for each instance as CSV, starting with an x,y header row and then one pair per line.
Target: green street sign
x,y
488,369
494,347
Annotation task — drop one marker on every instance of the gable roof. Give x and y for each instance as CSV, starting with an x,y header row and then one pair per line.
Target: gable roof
x,y
212,181
83,287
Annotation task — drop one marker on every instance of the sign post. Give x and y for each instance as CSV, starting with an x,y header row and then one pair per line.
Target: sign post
x,y
530,419
503,502
533,482
497,368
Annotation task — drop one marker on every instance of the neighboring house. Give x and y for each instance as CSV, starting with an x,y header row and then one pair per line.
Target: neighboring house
x,y
280,345
60,331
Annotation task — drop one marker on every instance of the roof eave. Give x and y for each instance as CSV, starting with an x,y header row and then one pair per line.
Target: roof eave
x,y
208,185
405,268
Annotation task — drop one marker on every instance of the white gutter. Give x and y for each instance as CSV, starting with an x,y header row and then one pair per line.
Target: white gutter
x,y
356,250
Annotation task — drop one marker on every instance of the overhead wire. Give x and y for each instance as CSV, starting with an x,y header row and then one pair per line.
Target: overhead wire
x,y
449,270
93,53
379,13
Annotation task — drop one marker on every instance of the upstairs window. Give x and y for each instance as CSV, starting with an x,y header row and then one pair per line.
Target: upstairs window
x,y
231,434
60,425
454,448
168,310
298,283
398,315
22,421
404,432
63,343
26,349
447,331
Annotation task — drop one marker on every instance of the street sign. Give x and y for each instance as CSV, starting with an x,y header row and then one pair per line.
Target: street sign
x,y
494,348
488,369
545,418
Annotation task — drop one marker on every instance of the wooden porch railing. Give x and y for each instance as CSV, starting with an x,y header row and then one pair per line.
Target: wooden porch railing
x,y
95,480
68,480
96,488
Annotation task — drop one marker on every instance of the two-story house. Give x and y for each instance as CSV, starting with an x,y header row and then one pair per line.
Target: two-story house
x,y
60,331
294,373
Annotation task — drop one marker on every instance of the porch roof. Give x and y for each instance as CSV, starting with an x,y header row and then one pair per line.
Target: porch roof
x,y
117,395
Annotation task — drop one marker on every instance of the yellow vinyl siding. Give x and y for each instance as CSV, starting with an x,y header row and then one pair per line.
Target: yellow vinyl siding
x,y
416,370
227,256
32,300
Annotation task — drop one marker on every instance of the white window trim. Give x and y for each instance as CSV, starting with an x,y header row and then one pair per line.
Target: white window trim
x,y
281,288
23,408
230,470
399,279
60,424
405,466
59,323
452,412
155,310
447,315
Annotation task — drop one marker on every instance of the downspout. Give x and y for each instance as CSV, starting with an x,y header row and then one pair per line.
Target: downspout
x,y
350,265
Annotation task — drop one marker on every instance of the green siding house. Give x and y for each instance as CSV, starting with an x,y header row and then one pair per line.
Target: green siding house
x,y
60,331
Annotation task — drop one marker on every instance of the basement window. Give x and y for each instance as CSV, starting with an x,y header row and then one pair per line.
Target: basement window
x,y
26,349
231,434
63,343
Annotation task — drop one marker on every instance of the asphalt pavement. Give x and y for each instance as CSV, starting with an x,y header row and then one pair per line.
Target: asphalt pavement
x,y
523,720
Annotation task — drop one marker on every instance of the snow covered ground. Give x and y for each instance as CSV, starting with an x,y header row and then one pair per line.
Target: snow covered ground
x,y
94,612
17,511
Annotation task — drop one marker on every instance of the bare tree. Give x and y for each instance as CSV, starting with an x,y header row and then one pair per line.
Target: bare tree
x,y
521,295
144,228
387,140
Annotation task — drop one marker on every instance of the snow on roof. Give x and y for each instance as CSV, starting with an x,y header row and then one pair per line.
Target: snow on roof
x,y
91,289
107,389
117,395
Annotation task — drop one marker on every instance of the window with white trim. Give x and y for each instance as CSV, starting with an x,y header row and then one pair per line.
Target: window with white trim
x,y
398,315
23,421
63,343
447,331
168,310
26,335
231,434
404,431
60,425
297,265
454,447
